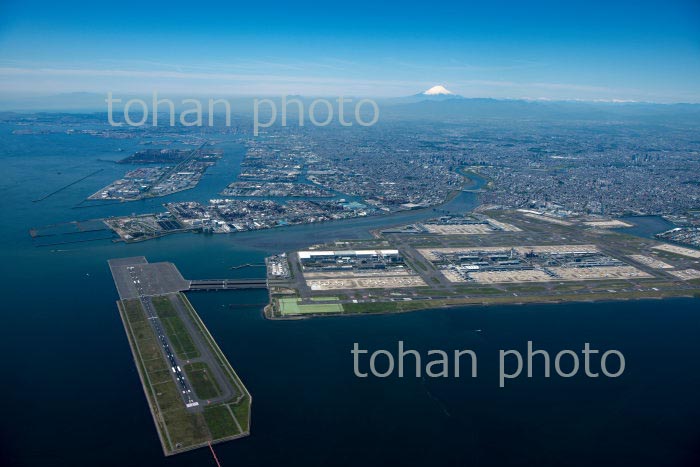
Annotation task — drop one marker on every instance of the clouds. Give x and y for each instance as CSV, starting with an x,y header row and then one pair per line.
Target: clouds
x,y
593,49
41,79
319,77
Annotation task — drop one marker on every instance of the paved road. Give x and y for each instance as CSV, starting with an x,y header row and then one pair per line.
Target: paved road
x,y
227,391
178,375
136,278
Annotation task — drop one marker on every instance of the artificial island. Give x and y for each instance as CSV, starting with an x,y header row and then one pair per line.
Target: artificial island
x,y
489,257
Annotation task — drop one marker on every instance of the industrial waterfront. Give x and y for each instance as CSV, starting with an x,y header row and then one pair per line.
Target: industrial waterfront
x,y
92,401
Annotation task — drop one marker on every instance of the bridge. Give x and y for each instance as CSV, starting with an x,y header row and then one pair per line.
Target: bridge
x,y
227,284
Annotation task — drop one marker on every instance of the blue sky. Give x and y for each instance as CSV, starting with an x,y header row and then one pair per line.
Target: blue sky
x,y
647,51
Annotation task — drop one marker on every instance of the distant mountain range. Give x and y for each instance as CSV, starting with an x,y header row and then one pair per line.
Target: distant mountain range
x,y
437,104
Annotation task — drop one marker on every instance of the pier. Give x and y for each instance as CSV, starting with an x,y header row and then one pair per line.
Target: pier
x,y
66,186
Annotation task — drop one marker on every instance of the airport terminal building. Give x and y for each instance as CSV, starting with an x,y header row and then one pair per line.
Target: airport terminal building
x,y
349,259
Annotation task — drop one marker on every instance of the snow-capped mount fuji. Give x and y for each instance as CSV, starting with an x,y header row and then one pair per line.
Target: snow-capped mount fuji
x,y
436,93
438,90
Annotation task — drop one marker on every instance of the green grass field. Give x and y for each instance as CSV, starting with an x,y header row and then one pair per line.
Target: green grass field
x,y
377,307
241,406
291,306
242,413
479,290
177,332
220,421
178,428
204,385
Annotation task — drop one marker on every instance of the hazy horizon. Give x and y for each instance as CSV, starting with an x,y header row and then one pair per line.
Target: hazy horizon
x,y
549,51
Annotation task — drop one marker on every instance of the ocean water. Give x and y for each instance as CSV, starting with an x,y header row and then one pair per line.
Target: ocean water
x,y
72,396
645,226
